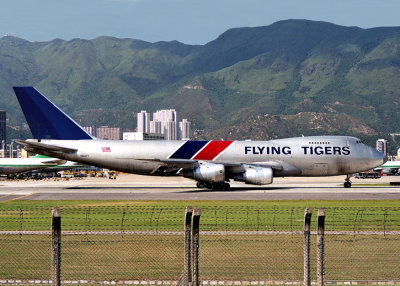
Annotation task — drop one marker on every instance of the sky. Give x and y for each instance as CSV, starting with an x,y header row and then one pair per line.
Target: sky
x,y
188,21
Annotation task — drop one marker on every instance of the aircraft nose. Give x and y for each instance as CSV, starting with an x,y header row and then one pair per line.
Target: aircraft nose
x,y
378,157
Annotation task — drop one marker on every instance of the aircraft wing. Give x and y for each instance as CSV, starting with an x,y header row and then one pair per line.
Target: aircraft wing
x,y
37,147
229,166
240,167
175,163
54,162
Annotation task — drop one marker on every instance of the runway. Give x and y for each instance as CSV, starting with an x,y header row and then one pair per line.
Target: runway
x,y
134,187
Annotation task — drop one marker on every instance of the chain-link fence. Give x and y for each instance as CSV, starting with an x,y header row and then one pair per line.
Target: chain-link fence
x,y
132,245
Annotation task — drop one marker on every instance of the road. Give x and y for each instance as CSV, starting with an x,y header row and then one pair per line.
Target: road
x,y
134,187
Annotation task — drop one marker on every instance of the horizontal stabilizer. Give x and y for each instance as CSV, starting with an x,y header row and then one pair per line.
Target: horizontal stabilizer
x,y
37,147
55,162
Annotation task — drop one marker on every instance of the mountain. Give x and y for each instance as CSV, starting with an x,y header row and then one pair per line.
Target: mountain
x,y
292,78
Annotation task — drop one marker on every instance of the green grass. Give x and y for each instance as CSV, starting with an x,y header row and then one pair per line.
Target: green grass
x,y
123,256
203,203
216,215
222,257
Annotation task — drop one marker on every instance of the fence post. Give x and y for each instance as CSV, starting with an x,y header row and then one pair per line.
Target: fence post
x,y
187,269
195,246
56,246
320,247
307,232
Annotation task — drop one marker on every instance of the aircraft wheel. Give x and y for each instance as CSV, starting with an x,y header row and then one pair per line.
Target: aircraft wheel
x,y
220,186
347,184
216,186
202,185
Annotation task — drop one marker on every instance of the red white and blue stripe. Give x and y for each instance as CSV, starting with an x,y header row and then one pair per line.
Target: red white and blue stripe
x,y
201,150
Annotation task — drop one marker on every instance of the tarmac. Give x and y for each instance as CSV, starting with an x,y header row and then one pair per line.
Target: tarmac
x,y
135,187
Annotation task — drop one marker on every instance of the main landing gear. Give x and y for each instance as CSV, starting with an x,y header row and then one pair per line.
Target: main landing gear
x,y
347,184
220,186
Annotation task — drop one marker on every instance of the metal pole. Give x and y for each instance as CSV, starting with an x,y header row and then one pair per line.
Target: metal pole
x,y
187,269
56,247
320,247
307,228
195,246
11,149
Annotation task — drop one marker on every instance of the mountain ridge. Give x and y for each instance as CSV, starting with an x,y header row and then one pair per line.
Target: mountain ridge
x,y
283,69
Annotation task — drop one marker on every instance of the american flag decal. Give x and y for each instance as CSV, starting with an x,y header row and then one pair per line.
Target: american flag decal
x,y
105,149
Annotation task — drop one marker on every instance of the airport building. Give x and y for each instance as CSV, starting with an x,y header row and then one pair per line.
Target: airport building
x,y
381,146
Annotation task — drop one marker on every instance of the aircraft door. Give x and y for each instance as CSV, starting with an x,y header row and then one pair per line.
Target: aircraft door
x,y
320,169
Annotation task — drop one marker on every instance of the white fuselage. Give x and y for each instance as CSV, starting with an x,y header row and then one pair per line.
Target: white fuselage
x,y
302,156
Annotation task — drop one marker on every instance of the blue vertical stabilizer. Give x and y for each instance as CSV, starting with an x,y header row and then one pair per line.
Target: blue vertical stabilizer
x,y
45,119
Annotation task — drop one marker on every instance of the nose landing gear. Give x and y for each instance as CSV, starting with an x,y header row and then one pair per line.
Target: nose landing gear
x,y
347,184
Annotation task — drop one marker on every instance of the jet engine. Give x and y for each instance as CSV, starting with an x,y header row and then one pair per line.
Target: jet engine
x,y
256,176
207,172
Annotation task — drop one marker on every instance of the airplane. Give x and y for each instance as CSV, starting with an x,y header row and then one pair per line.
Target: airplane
x,y
211,163
9,166
390,168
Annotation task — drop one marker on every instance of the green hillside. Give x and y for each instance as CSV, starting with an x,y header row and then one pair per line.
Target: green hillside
x,y
292,78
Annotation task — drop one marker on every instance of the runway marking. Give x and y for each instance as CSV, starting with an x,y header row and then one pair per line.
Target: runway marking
x,y
7,195
21,197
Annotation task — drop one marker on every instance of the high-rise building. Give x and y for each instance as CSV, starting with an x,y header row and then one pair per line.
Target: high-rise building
x,y
381,146
142,136
170,130
168,119
143,121
3,136
91,130
165,115
155,127
109,133
165,123
185,129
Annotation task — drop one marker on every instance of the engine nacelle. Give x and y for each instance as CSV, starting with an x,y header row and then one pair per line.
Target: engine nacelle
x,y
207,172
256,176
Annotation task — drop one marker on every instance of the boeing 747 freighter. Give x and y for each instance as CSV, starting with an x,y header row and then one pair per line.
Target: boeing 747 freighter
x,y
211,163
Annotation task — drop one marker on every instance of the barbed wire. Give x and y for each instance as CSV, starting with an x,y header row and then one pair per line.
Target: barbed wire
x,y
131,218
119,243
